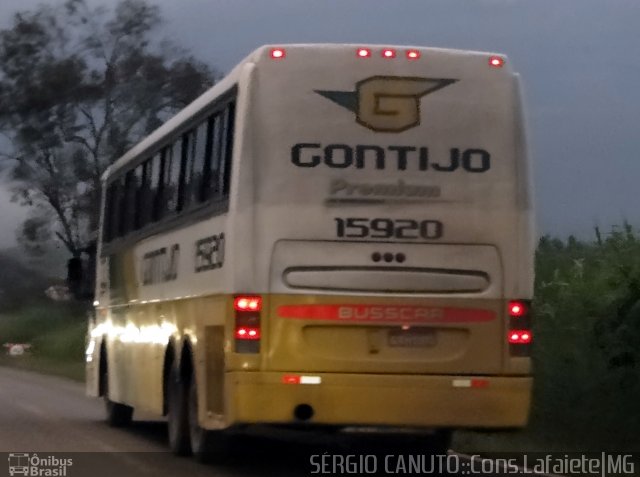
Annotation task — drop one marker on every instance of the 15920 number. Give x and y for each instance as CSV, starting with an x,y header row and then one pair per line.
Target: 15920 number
x,y
355,227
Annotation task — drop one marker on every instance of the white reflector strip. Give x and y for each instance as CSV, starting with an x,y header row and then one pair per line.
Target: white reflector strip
x,y
310,379
461,383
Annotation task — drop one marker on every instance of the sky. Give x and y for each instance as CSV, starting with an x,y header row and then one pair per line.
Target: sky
x,y
578,59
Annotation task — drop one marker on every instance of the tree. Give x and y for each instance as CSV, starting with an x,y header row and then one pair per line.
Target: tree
x,y
78,87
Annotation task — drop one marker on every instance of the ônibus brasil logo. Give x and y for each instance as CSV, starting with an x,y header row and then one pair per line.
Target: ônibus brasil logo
x,y
33,465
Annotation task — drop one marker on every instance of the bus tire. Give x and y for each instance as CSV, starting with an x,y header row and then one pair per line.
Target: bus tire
x,y
207,446
177,415
117,415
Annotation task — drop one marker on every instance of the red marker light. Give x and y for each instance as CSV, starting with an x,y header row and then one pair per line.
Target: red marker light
x,y
363,53
516,309
278,53
290,379
388,53
479,383
247,303
496,61
413,54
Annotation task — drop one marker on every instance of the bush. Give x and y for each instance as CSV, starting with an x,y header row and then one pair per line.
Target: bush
x,y
586,351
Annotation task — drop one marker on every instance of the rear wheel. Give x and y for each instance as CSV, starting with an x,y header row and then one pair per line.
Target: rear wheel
x,y
177,415
117,415
207,446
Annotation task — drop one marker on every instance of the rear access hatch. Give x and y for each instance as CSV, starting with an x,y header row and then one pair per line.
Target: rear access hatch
x,y
385,308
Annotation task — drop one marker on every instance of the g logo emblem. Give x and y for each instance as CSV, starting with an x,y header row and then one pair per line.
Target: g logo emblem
x,y
387,103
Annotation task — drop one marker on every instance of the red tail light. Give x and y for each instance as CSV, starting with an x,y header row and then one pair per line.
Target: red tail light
x,y
519,334
517,308
247,320
247,303
363,53
520,337
247,333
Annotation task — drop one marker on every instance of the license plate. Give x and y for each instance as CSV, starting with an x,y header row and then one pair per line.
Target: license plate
x,y
412,338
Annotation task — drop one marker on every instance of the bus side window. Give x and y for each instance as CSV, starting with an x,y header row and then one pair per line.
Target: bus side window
x,y
203,152
172,162
118,209
143,198
230,117
156,186
189,159
131,185
210,187
107,228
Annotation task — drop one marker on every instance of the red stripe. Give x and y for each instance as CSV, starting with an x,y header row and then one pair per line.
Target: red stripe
x,y
385,313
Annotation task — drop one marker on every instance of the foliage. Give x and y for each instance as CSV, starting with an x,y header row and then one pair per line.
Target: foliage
x,y
587,349
56,331
78,87
19,283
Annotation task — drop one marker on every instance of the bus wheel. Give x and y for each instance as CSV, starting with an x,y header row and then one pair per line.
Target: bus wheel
x,y
177,417
117,415
207,446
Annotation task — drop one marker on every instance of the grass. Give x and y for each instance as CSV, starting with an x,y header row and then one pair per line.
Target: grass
x,y
56,332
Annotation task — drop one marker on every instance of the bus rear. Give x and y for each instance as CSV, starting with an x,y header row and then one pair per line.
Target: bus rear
x,y
384,224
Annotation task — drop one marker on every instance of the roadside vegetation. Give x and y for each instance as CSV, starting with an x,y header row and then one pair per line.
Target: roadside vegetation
x,y
587,349
586,357
56,332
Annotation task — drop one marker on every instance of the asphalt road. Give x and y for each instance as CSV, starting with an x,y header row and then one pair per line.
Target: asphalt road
x,y
51,417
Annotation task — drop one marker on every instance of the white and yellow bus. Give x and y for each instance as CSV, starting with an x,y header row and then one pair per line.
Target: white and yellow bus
x,y
332,235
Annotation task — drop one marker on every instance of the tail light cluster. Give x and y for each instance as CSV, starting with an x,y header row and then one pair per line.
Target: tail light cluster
x,y
519,335
247,311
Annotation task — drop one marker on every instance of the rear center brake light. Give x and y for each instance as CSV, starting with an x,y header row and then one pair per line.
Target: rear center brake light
x,y
388,53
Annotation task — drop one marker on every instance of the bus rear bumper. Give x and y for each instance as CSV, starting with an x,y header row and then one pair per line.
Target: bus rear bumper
x,y
378,400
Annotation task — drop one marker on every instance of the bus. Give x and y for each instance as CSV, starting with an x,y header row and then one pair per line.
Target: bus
x,y
332,236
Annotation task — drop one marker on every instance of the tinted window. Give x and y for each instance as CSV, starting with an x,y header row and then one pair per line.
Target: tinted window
x,y
210,187
170,179
202,159
189,143
142,196
156,186
129,204
118,215
228,153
